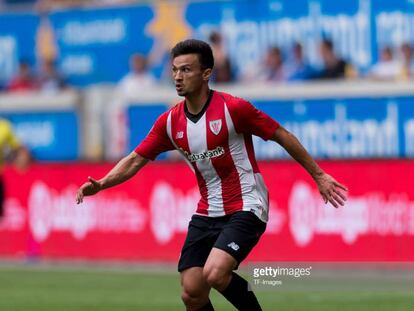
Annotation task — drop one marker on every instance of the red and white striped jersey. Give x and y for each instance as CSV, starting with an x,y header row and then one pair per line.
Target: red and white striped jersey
x,y
219,148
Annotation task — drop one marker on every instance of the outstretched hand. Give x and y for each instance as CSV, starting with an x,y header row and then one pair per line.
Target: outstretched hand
x,y
91,187
331,190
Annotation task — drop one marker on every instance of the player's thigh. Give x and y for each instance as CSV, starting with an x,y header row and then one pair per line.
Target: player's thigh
x,y
219,263
240,235
193,282
198,243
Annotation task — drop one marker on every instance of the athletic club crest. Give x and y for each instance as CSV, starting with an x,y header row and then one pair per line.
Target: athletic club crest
x,y
215,126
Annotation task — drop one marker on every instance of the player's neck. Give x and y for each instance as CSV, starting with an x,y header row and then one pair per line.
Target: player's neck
x,y
195,102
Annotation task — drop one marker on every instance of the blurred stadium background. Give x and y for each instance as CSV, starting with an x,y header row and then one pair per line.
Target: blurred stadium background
x,y
82,83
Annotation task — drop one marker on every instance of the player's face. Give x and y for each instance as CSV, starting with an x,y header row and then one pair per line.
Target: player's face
x,y
188,75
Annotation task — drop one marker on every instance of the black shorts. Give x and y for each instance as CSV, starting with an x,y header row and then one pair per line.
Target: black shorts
x,y
236,234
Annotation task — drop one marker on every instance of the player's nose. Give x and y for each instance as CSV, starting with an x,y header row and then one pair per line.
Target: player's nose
x,y
178,76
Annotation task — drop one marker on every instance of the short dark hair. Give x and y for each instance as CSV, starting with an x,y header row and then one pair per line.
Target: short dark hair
x,y
328,43
193,46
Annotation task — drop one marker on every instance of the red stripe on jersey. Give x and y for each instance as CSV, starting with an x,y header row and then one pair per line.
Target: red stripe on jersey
x,y
218,135
203,203
180,137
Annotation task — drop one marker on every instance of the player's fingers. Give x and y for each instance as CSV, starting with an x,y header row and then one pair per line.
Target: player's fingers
x,y
324,197
332,201
331,197
343,196
338,199
79,197
339,185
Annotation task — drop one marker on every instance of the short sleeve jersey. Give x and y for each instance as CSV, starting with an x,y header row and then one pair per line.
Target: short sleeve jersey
x,y
219,149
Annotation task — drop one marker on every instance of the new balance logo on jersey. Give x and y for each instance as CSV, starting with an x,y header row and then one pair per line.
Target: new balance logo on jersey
x,y
194,157
233,246
215,126
179,135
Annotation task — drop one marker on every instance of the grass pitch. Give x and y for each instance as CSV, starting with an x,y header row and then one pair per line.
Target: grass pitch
x,y
39,287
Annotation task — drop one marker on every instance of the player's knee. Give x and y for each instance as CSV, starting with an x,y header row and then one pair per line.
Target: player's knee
x,y
193,300
186,298
216,277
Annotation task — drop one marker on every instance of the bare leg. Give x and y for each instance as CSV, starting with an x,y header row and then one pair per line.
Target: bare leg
x,y
195,289
218,272
218,269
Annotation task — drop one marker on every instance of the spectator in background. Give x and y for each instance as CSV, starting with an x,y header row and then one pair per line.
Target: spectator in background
x,y
24,80
407,62
16,4
135,83
49,79
50,5
273,68
139,78
333,66
59,4
10,148
222,72
387,68
297,68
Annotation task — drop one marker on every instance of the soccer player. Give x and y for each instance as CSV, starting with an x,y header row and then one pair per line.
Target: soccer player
x,y
213,130
10,147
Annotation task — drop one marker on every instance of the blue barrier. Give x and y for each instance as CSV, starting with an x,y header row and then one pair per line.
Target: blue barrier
x,y
17,42
328,128
345,128
95,45
50,136
140,120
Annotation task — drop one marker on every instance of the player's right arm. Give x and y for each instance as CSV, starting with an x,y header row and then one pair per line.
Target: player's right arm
x,y
156,142
122,171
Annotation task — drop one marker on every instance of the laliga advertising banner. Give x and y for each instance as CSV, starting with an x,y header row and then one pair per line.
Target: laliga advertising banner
x,y
146,218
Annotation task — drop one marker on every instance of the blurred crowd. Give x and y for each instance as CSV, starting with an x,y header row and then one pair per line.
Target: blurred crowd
x,y
280,66
46,79
277,66
58,4
292,65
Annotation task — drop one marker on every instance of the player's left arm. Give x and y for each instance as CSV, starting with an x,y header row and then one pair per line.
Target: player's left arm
x,y
330,190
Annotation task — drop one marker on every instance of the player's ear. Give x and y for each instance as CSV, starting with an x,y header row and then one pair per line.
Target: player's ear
x,y
207,74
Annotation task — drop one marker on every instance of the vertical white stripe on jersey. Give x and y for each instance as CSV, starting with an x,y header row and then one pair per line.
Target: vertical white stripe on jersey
x,y
251,195
197,142
169,130
264,196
